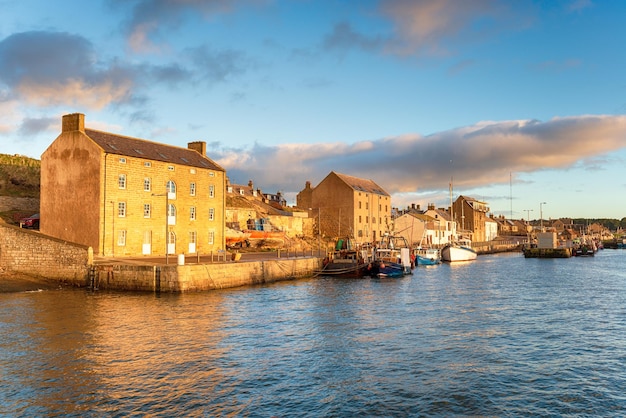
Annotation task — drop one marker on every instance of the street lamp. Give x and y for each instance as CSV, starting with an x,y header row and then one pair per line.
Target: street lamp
x,y
541,215
167,207
528,228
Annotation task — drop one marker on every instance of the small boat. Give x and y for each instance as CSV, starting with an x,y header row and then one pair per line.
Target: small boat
x,y
345,261
394,253
461,251
427,257
235,238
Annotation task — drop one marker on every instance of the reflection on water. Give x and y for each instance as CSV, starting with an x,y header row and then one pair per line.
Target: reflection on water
x,y
499,336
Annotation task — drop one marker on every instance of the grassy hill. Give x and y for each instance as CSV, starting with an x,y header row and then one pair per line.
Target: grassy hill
x,y
19,187
19,176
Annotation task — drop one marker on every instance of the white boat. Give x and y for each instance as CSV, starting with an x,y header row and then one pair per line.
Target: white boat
x,y
458,252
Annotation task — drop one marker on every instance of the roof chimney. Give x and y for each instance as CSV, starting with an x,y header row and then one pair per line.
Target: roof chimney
x,y
73,122
199,146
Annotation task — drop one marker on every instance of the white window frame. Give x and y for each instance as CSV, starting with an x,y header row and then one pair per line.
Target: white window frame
x,y
211,190
121,181
147,210
211,214
147,184
121,209
192,189
211,236
192,213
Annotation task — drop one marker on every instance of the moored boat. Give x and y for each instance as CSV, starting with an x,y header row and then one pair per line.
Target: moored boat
x,y
427,256
458,252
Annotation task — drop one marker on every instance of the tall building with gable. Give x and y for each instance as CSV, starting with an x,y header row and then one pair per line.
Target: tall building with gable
x,y
126,196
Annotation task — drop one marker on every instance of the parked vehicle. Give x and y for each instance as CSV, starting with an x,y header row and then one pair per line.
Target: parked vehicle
x,y
30,222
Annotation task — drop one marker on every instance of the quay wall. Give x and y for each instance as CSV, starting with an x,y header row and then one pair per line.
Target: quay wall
x,y
199,277
38,255
492,247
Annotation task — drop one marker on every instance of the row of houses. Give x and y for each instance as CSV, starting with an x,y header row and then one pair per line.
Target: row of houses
x,y
126,196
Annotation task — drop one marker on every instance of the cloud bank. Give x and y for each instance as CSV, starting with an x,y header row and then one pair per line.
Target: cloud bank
x,y
478,155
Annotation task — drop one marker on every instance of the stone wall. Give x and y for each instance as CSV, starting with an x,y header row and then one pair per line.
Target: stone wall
x,y
200,277
35,254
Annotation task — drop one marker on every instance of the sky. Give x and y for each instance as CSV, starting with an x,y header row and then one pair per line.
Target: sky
x,y
520,104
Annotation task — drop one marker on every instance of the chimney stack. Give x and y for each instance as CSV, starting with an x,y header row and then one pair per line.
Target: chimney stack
x,y
73,122
199,146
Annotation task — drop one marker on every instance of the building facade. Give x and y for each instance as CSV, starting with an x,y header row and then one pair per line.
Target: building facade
x,y
345,205
470,215
125,196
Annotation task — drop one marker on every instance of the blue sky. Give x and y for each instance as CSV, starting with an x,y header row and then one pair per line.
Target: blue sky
x,y
518,102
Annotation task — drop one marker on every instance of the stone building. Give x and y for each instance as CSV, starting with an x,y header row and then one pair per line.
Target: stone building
x,y
125,196
345,205
470,215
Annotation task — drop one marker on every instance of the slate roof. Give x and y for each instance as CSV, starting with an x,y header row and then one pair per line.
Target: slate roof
x,y
362,185
140,148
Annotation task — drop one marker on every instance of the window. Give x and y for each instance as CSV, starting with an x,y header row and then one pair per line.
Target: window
x,y
211,191
171,190
147,184
147,164
359,205
122,160
192,213
121,238
170,167
192,170
121,209
121,181
360,220
192,189
211,174
367,205
211,214
211,236
373,220
146,210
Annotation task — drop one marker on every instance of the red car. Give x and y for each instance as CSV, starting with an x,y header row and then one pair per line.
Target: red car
x,y
30,222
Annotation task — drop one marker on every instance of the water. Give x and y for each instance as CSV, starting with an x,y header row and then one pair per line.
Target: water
x,y
500,336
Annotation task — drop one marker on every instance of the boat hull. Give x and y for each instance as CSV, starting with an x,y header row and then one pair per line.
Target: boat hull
x,y
452,253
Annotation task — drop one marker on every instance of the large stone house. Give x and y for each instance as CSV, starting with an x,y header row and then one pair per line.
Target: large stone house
x,y
125,196
345,205
470,215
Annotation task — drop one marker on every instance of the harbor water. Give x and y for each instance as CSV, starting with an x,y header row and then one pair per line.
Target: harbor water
x,y
499,336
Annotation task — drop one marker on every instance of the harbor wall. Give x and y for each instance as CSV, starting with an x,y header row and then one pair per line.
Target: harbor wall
x,y
32,253
199,277
491,247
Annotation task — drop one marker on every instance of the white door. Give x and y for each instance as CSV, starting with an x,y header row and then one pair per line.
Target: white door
x,y
146,248
171,243
192,242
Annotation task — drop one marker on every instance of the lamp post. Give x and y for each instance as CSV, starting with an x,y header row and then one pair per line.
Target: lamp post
x,y
528,223
541,215
167,207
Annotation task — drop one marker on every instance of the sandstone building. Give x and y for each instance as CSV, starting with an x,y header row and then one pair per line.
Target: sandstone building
x,y
345,205
125,196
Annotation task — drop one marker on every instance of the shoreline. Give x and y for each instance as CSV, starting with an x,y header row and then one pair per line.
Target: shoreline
x,y
11,282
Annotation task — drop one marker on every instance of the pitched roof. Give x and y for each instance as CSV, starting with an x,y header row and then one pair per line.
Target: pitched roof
x,y
140,148
362,185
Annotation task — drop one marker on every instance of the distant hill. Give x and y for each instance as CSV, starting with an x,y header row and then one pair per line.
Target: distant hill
x,y
19,176
19,187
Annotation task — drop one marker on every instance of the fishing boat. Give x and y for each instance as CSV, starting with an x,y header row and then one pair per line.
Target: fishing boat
x,y
346,261
427,256
393,255
458,251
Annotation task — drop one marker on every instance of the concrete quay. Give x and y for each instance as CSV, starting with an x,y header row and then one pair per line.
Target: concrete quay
x,y
180,274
